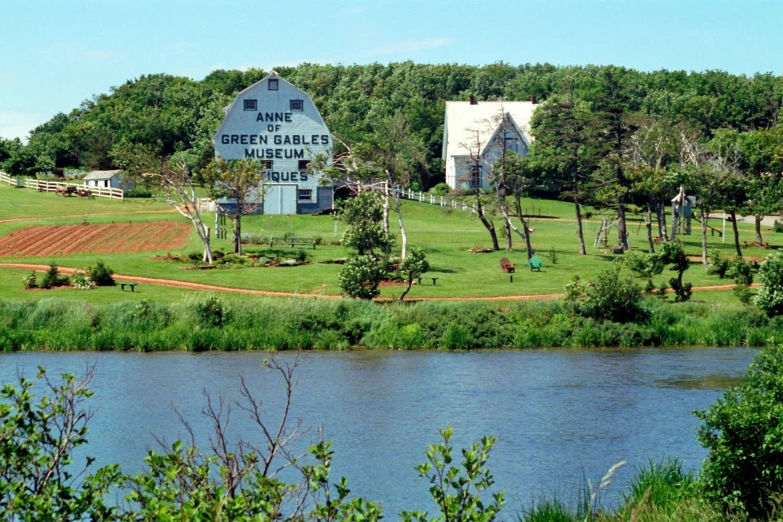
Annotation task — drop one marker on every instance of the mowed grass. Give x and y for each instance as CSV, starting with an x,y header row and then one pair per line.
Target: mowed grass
x,y
24,203
445,235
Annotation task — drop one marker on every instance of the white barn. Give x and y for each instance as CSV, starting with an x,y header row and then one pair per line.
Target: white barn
x,y
473,137
277,123
106,179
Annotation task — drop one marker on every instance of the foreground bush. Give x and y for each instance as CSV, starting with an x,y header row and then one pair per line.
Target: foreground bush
x,y
743,432
770,296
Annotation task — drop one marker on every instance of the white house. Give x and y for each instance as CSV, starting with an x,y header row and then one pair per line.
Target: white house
x,y
474,134
278,123
105,179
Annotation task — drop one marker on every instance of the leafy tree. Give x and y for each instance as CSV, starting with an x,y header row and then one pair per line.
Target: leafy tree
x,y
565,130
769,298
742,432
397,153
363,217
39,479
413,266
360,276
521,174
457,490
241,181
171,176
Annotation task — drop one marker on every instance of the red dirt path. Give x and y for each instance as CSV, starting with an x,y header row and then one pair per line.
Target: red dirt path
x,y
47,240
215,288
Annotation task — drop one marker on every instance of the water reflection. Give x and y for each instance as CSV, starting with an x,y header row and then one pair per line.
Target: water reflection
x,y
558,415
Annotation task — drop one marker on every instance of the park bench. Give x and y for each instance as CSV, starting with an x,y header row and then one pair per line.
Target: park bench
x,y
535,264
293,241
506,266
131,285
434,279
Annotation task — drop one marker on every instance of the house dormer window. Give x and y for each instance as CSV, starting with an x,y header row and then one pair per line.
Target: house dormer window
x,y
273,85
251,105
297,105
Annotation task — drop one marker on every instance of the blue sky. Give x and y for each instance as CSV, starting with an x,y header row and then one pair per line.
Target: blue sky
x,y
57,53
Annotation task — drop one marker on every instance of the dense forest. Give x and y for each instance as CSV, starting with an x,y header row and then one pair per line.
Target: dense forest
x,y
170,113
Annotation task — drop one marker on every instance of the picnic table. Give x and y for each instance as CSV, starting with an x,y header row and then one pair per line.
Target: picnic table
x,y
434,279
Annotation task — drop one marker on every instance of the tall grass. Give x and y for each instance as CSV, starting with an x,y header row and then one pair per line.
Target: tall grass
x,y
211,323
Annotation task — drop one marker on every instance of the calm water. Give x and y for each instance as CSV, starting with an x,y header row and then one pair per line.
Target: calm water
x,y
559,416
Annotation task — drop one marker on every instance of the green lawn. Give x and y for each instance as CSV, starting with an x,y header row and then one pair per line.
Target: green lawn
x,y
446,235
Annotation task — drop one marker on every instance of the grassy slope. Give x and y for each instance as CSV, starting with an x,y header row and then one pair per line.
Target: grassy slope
x,y
445,236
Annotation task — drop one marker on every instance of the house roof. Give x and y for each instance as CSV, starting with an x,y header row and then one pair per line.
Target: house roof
x,y
101,174
464,119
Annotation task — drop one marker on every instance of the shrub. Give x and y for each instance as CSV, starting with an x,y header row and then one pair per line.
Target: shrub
x,y
717,266
251,238
360,277
53,278
742,432
647,266
769,298
553,257
741,271
234,259
101,274
212,311
302,256
30,280
441,189
743,293
138,193
613,297
81,281
777,226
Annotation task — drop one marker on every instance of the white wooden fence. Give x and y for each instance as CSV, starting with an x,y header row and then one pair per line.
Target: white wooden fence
x,y
51,186
5,178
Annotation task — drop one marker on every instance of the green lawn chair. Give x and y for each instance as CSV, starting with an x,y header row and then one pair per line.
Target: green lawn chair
x,y
535,264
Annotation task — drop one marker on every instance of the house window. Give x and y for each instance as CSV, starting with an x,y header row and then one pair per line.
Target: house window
x,y
305,195
272,85
297,105
512,144
303,165
267,164
475,176
251,105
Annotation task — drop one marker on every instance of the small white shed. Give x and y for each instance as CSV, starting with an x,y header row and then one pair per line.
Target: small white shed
x,y
104,179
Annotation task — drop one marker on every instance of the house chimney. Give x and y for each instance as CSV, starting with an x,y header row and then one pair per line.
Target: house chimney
x,y
533,99
473,100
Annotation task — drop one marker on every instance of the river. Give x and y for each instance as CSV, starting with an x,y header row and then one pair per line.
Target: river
x,y
559,416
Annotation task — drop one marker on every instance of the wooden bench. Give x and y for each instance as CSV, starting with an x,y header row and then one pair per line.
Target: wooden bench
x,y
506,266
131,285
292,241
434,279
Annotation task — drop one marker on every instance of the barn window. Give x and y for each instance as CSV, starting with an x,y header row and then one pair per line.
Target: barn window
x,y
251,105
272,85
297,105
306,195
303,165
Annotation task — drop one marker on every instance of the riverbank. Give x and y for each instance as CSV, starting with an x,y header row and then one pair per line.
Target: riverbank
x,y
212,323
